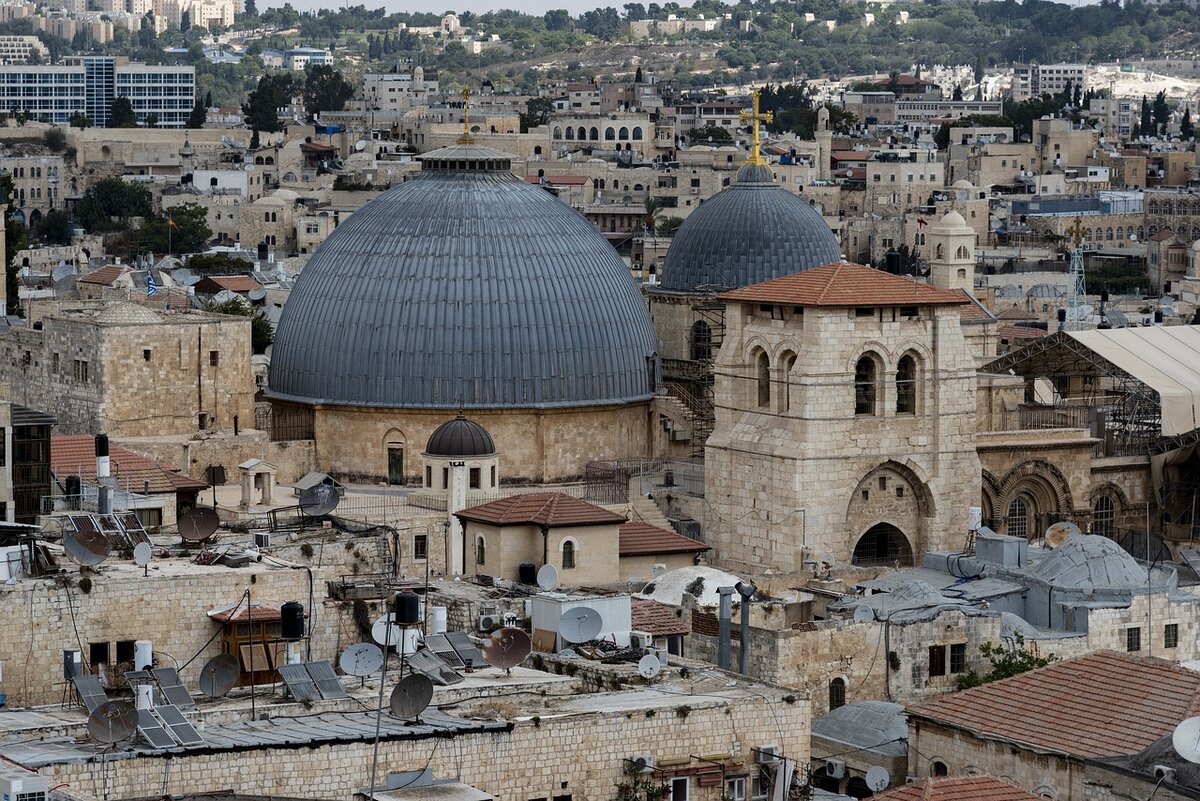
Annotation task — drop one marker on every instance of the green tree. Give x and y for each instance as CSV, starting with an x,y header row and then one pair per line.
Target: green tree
x,y
1187,128
667,226
218,264
957,93
150,121
262,333
651,215
262,106
1005,662
1147,120
120,114
55,139
1161,111
715,133
325,90
54,228
558,19
538,111
942,137
198,117
110,204
80,120
184,229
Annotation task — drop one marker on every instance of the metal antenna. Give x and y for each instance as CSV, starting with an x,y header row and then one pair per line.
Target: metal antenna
x,y
387,641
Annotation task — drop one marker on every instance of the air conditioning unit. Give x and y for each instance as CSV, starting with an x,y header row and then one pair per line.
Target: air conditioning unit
x,y
835,768
767,754
644,761
262,539
641,639
490,622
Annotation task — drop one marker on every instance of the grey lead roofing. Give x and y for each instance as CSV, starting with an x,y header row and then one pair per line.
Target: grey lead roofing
x,y
749,232
460,437
467,289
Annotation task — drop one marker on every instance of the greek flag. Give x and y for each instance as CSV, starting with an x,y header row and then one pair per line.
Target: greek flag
x,y
151,287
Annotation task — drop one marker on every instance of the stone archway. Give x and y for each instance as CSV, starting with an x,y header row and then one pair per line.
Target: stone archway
x,y
893,494
1032,495
882,545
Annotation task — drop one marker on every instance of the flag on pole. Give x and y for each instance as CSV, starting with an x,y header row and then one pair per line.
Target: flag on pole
x,y
171,224
151,287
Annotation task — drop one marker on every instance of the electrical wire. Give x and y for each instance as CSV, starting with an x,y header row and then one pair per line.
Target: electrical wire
x,y
217,633
79,640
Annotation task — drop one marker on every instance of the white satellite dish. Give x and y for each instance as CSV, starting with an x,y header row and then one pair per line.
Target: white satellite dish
x,y
361,659
580,624
547,577
380,630
649,666
360,145
863,614
878,778
1186,739
142,554
658,570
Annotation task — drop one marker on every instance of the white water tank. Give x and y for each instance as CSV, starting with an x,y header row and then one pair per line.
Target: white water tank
x,y
438,620
410,642
145,696
143,655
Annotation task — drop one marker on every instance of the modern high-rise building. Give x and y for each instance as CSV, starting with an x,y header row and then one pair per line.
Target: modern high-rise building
x,y
89,84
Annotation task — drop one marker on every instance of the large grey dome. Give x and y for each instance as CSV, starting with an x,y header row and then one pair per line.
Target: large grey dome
x,y
464,287
749,232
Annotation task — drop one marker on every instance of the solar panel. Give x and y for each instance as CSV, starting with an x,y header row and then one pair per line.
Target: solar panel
x,y
131,524
465,648
299,683
326,680
83,523
153,731
428,663
445,651
178,726
91,692
172,688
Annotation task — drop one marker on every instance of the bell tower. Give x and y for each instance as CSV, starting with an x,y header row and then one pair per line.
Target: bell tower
x,y
951,248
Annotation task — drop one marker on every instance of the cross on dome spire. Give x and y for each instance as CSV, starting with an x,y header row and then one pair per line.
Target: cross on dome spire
x,y
466,138
755,117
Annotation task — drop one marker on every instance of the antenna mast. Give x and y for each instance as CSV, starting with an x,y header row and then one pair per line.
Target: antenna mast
x,y
1078,282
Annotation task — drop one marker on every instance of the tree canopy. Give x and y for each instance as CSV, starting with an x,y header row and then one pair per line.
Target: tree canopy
x,y
120,114
325,89
183,229
262,333
262,106
110,203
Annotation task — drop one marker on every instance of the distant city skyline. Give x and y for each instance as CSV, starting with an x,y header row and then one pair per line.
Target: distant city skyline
x,y
575,7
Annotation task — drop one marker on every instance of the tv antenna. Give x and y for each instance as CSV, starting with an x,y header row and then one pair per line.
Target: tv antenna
x,y
581,624
361,659
199,524
319,500
1186,739
547,577
506,648
218,675
411,696
649,666
112,722
86,548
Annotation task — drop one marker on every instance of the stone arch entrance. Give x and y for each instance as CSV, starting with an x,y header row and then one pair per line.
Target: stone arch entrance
x,y
892,494
1032,496
395,443
882,544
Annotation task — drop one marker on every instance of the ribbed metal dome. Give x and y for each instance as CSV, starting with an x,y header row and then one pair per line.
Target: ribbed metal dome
x,y
749,232
464,287
460,437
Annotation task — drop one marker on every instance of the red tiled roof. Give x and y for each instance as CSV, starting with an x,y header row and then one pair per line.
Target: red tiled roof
x,y
974,311
655,618
1016,314
105,275
75,455
1161,236
542,508
852,155
845,284
958,788
1011,332
1103,704
641,539
235,283
262,611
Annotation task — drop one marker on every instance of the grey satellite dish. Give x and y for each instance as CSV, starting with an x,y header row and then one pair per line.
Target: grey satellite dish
x,y
411,696
257,294
878,778
581,624
547,577
225,296
142,554
828,561
863,614
568,653
361,659
112,722
1059,532
380,630
181,275
87,548
658,570
319,500
360,145
198,524
506,648
1186,739
219,674
649,666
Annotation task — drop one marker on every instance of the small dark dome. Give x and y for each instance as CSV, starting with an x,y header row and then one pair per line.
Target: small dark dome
x,y
460,437
751,231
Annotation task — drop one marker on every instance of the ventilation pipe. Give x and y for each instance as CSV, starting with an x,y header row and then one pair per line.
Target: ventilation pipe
x,y
103,467
746,589
723,615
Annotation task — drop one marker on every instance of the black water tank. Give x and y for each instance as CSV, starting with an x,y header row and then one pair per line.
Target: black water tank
x,y
892,262
527,573
408,610
291,620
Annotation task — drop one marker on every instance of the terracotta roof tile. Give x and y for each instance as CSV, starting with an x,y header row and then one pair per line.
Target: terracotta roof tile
x,y
1016,314
75,455
845,284
974,311
1103,704
958,788
1011,332
655,618
641,539
104,276
263,611
234,283
1162,235
543,508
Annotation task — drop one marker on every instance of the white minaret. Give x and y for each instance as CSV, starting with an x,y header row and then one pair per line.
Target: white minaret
x,y
951,248
456,501
824,137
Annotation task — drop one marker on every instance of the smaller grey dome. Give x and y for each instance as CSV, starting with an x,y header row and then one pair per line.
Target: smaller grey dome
x,y
1090,562
460,437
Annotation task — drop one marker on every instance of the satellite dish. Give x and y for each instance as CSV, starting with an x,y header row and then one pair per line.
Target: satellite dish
x,y
1058,533
568,653
319,500
257,294
198,524
360,145
411,696
580,624
1186,739
649,666
219,674
506,648
878,778
112,722
87,548
658,570
361,659
380,632
828,561
547,577
863,614
142,554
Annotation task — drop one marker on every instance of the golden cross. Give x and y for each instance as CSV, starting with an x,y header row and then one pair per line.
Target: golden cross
x,y
466,138
755,117
1076,232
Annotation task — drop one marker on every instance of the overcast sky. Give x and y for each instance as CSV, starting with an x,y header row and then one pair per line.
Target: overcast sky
x,y
478,6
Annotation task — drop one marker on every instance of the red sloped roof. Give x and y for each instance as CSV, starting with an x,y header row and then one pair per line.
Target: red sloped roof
x,y
543,508
643,539
974,311
1011,332
75,455
234,283
845,284
104,276
958,788
655,618
1104,704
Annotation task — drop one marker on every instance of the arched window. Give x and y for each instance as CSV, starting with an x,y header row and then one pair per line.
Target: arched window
x,y
266,216
595,134
1108,233
609,134
623,134
558,132
537,150
637,134
789,362
568,555
762,366
1120,232
906,385
583,133
865,375
1104,516
480,550
837,693
939,251
570,132
1018,518
962,252
938,768
701,341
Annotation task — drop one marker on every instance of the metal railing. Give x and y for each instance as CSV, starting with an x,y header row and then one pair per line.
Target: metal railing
x,y
88,501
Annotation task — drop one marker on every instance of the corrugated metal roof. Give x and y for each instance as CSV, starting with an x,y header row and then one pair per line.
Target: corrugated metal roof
x,y
465,290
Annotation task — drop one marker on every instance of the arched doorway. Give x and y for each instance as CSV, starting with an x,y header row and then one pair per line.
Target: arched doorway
x,y
882,544
394,443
